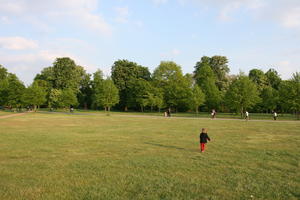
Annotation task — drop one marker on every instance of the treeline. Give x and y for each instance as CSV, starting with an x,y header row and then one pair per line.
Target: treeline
x,y
133,87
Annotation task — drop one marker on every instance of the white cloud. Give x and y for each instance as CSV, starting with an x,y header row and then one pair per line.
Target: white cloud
x,y
173,53
122,14
4,20
83,12
291,18
287,68
286,13
27,65
17,43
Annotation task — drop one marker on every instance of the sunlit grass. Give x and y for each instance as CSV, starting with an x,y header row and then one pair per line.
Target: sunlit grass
x,y
57,156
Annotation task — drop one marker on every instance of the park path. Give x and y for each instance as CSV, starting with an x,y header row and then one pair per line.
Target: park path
x,y
162,117
12,115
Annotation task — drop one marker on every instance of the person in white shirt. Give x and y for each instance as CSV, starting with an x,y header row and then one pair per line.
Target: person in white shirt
x,y
275,115
246,115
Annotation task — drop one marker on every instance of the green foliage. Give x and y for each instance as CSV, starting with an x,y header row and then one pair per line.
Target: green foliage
x,y
34,95
15,90
176,87
97,85
3,86
67,98
197,98
290,94
242,94
259,78
106,94
155,98
219,67
122,73
167,71
205,78
138,93
54,98
273,78
85,92
67,74
270,98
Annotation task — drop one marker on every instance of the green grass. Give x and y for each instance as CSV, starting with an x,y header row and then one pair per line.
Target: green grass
x,y
3,113
57,156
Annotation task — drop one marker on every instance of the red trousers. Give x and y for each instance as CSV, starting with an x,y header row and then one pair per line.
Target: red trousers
x,y
202,146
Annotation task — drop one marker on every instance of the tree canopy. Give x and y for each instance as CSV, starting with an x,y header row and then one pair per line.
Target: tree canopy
x,y
132,86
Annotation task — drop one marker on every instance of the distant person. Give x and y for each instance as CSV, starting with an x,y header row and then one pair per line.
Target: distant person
x,y
246,115
71,109
169,112
274,115
165,114
213,114
203,139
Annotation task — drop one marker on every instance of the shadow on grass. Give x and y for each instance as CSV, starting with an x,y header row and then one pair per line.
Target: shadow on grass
x,y
170,147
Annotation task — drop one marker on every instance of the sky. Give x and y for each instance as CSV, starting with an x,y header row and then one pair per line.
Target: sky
x,y
259,34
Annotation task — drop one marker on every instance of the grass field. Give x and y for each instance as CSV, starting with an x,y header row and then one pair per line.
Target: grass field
x,y
57,156
3,113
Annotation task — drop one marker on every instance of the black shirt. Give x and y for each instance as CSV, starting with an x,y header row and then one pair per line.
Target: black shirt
x,y
204,137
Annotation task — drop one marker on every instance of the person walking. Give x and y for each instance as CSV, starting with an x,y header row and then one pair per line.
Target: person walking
x,y
203,139
246,115
213,114
169,112
274,115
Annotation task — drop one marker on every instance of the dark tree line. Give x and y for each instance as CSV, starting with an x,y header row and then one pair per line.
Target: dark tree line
x,y
133,87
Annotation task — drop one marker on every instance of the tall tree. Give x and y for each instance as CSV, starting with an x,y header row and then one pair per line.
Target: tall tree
x,y
270,98
54,98
15,91
122,73
67,74
139,90
97,85
34,95
205,78
155,98
273,78
197,98
3,85
219,66
176,87
68,98
85,92
259,78
290,94
242,94
107,94
64,74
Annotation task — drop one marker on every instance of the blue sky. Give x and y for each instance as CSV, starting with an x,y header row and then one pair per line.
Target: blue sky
x,y
259,34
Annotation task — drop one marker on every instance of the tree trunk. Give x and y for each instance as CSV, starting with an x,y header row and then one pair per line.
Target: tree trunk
x,y
108,111
34,108
125,109
85,106
242,113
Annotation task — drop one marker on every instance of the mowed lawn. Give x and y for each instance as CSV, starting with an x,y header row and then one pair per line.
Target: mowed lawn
x,y
57,156
2,113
